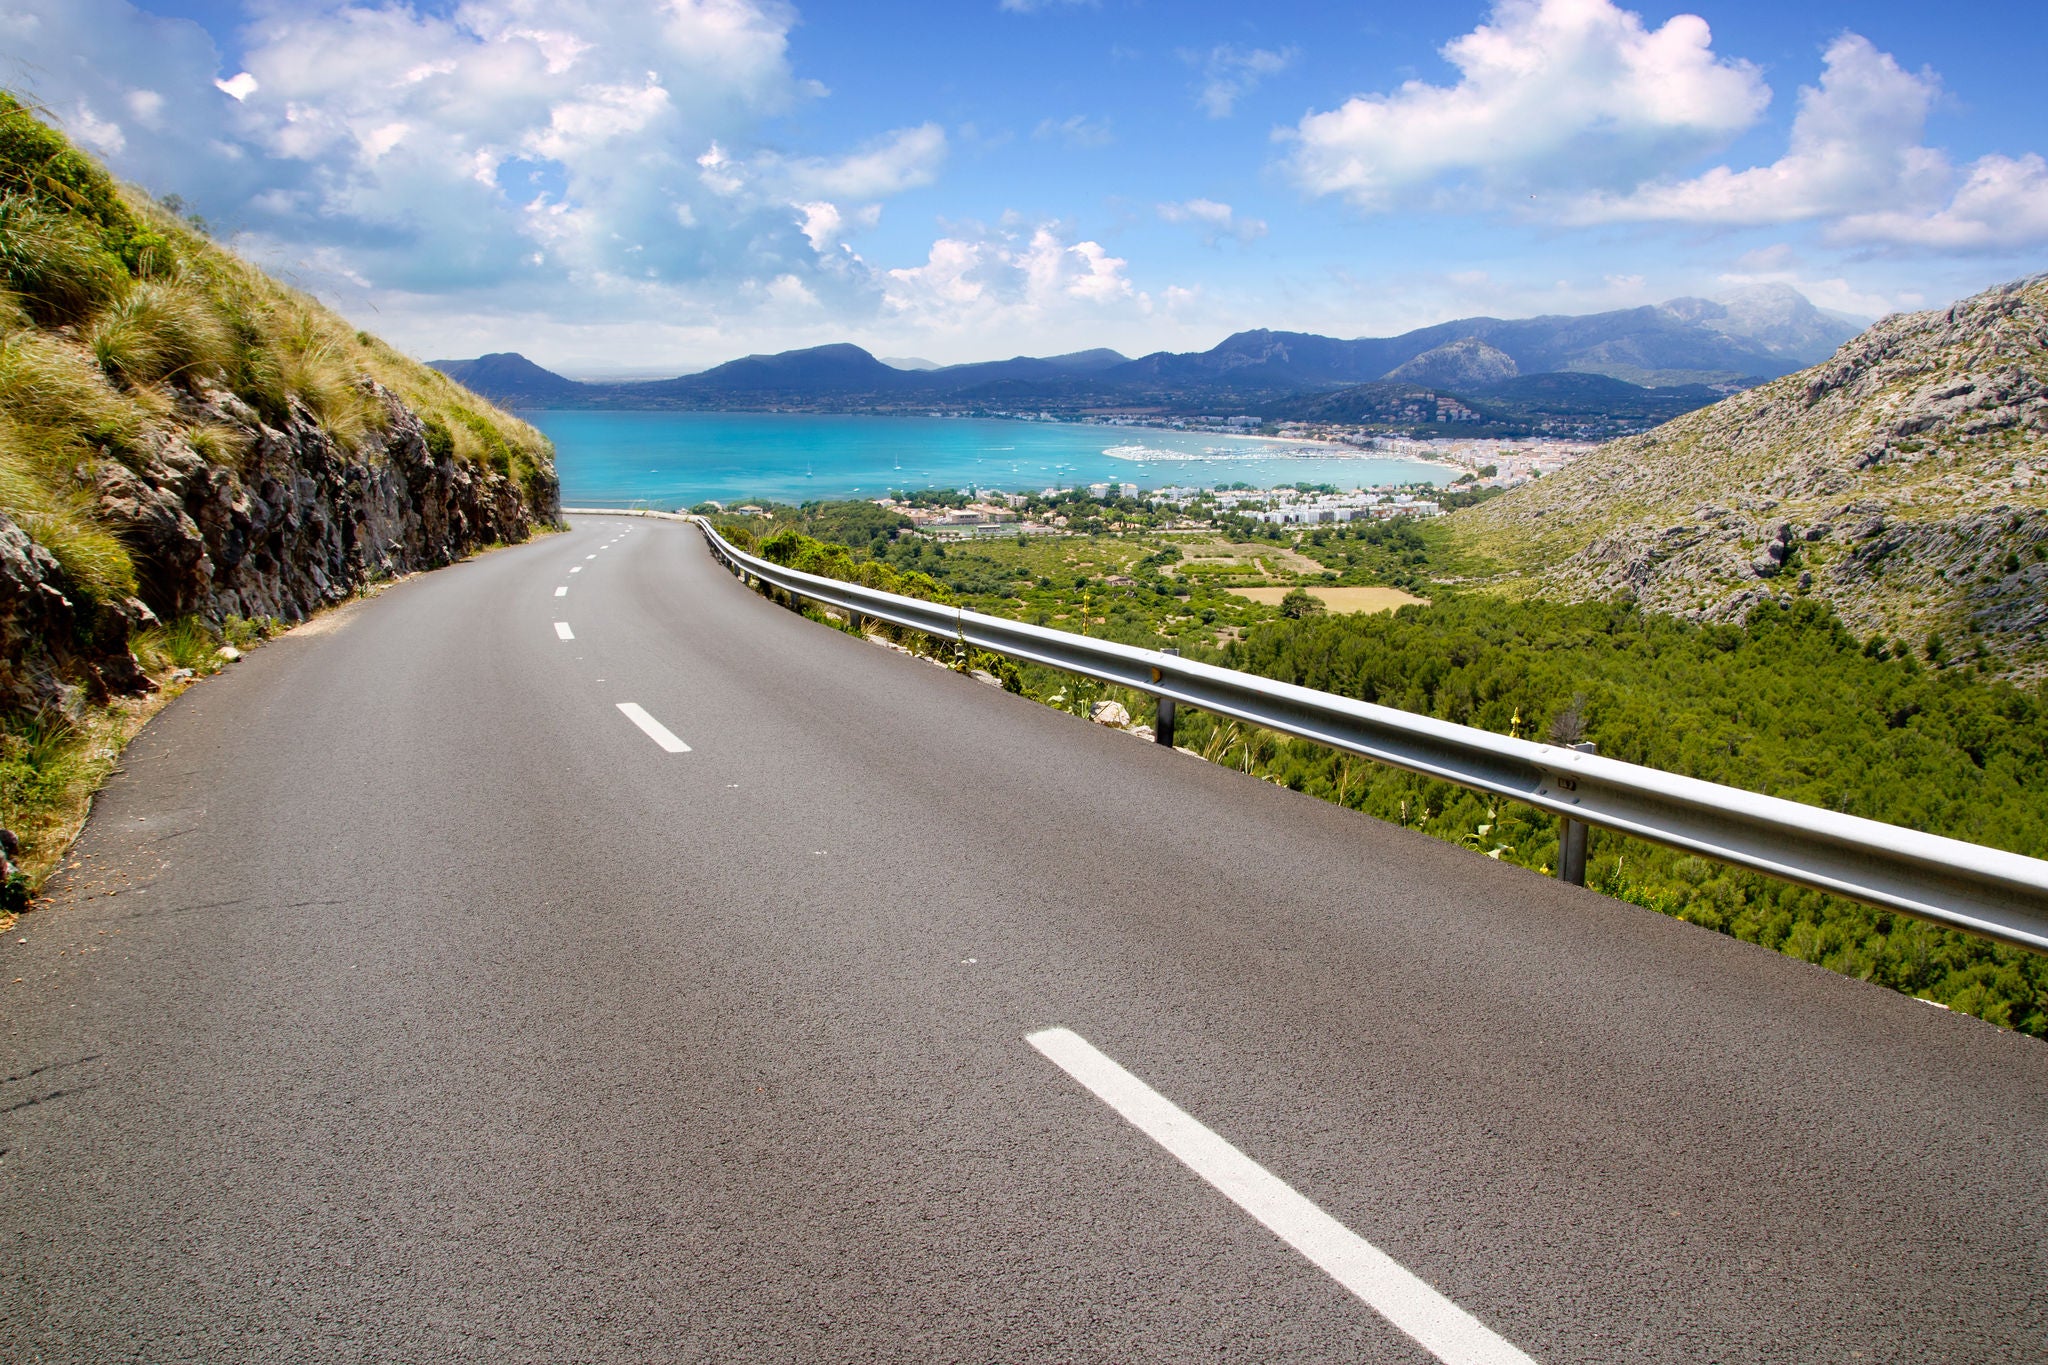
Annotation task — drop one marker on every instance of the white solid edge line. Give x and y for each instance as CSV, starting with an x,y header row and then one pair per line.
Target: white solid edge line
x,y
562,631
1445,1330
653,728
562,591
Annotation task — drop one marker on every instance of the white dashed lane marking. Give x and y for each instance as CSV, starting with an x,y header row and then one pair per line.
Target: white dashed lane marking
x,y
1386,1286
562,631
653,728
562,591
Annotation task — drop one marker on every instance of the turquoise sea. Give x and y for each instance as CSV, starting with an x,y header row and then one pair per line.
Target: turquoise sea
x,y
674,459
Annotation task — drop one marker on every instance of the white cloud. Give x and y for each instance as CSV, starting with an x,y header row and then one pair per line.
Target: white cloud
x,y
102,135
445,147
902,160
2002,204
147,108
1216,220
789,292
1857,161
1855,142
1007,279
1230,73
825,225
1547,90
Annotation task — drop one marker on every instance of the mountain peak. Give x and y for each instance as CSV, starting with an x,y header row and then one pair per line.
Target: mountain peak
x,y
507,376
1772,315
1465,363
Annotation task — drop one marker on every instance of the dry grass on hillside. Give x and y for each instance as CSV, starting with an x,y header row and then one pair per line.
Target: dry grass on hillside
x,y
111,307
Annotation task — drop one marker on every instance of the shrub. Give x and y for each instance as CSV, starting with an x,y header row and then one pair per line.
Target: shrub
x,y
56,265
37,162
59,403
187,642
1300,603
159,329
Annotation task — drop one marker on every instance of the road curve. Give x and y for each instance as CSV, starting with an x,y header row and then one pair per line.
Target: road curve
x,y
415,999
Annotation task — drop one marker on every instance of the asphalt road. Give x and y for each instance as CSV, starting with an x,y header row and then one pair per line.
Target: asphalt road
x,y
410,1002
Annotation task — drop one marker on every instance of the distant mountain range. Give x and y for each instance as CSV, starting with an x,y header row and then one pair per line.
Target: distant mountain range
x,y
1675,349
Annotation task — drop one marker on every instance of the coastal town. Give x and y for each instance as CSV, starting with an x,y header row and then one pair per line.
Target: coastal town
x,y
1481,466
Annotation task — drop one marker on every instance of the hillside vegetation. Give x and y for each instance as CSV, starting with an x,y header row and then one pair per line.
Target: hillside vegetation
x,y
115,314
191,452
1904,482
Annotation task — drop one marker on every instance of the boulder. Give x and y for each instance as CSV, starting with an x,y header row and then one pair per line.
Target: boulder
x,y
1109,713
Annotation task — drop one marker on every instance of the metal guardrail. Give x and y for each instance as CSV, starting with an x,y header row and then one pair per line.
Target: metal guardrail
x,y
1986,891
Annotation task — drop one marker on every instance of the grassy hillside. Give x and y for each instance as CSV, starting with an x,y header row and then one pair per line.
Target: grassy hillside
x,y
188,449
1904,482
113,311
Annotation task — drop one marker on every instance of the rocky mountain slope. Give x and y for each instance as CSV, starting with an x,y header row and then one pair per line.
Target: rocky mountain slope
x,y
182,436
1904,480
1465,363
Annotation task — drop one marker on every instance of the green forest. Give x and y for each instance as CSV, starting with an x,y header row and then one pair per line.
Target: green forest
x,y
1788,703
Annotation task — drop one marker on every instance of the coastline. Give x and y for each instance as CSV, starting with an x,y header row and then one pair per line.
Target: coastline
x,y
680,459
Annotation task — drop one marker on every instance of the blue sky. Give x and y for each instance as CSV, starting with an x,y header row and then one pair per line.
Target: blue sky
x,y
651,187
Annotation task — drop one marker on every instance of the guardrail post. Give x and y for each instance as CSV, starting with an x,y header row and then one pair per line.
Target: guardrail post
x,y
1571,837
1162,727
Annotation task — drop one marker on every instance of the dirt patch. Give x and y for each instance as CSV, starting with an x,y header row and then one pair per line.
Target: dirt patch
x,y
1344,601
1263,557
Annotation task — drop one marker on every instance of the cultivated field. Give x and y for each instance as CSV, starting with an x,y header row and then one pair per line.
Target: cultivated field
x,y
1341,600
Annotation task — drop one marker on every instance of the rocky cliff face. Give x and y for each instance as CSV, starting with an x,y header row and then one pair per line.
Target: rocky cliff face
x,y
1905,480
293,521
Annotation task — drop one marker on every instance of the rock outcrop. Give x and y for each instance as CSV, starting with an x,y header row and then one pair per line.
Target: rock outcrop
x,y
1905,480
293,522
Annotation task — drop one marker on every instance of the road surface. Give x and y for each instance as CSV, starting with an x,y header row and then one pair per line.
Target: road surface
x,y
569,955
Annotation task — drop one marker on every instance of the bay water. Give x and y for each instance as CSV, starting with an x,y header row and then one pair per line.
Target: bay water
x,y
675,459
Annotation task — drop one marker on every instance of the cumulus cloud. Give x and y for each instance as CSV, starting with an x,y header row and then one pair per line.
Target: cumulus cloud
x,y
1857,161
1216,220
1547,89
825,225
1008,278
1229,73
1855,141
593,148
2002,204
